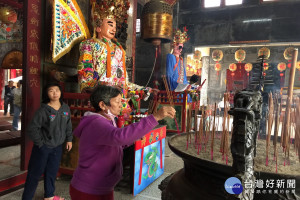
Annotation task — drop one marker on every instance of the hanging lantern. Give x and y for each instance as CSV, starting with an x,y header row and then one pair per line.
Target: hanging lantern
x,y
266,66
248,68
232,68
8,15
217,55
281,67
264,51
298,67
197,55
288,55
240,55
218,67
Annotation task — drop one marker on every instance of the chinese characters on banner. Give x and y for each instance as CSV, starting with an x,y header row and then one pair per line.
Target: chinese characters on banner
x,y
33,44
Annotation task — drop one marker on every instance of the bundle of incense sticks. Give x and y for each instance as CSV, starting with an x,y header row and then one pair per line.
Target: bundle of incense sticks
x,y
213,134
270,123
170,98
222,146
189,122
196,119
287,122
200,135
277,111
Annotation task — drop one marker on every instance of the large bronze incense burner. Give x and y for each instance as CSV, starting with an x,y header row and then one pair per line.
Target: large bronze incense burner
x,y
203,177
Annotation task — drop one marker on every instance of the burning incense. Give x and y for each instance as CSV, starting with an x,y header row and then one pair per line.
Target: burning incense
x,y
290,97
278,107
213,134
270,123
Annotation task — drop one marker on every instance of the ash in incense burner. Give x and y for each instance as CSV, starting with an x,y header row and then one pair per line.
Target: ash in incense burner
x,y
203,178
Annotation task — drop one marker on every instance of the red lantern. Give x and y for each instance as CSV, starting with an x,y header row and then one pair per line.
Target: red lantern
x,y
281,67
266,66
232,68
248,68
298,67
218,67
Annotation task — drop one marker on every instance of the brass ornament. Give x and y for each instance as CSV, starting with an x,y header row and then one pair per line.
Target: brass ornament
x,y
12,60
157,20
8,15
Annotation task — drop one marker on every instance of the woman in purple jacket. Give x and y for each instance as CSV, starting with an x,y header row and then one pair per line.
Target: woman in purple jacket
x,y
101,144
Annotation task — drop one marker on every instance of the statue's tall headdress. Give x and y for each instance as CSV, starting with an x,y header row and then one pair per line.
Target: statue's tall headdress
x,y
110,9
181,37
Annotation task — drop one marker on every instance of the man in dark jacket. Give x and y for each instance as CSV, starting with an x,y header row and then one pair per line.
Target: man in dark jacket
x,y
9,98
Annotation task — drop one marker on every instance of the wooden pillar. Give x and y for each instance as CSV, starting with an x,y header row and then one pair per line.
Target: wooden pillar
x,y
32,38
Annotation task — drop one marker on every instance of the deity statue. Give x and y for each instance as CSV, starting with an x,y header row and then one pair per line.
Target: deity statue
x,y
102,58
176,72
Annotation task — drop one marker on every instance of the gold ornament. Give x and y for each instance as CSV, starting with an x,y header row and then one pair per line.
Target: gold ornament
x,y
110,9
181,37
8,15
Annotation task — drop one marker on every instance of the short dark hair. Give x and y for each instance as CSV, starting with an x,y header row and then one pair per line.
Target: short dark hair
x,y
103,93
194,79
21,82
45,97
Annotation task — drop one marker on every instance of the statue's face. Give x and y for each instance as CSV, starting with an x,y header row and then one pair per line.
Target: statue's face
x,y
177,49
107,29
